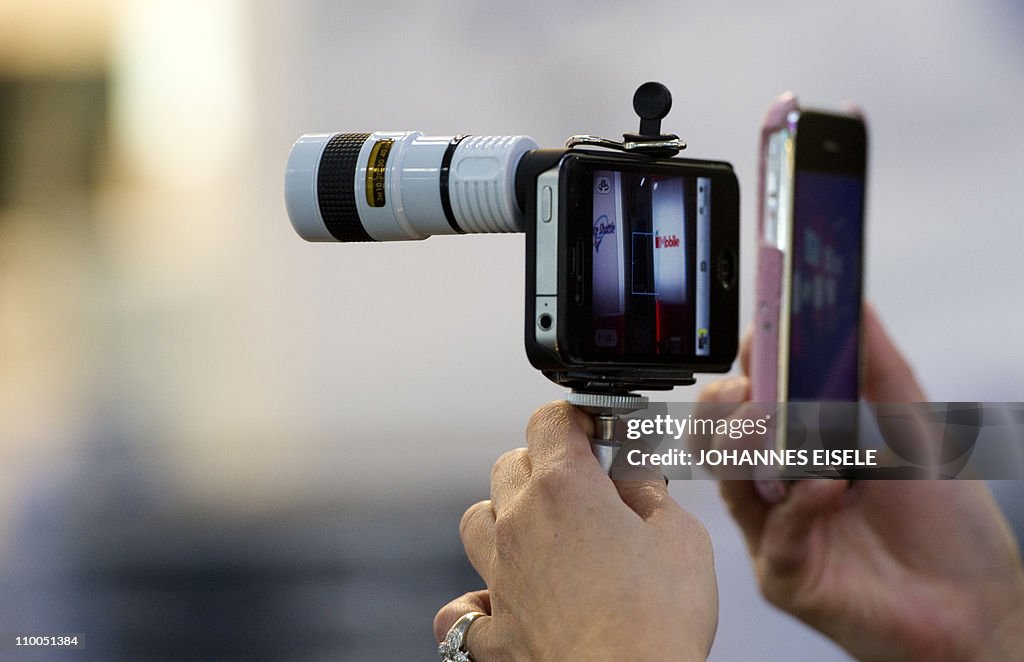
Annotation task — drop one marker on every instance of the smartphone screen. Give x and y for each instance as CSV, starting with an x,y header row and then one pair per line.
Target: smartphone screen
x,y
825,290
649,241
825,287
650,287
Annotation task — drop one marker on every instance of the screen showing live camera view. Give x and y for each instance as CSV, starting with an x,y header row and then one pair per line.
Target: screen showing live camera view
x,y
651,271
826,286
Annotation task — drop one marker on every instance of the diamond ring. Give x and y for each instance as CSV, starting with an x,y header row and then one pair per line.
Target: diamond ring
x,y
453,648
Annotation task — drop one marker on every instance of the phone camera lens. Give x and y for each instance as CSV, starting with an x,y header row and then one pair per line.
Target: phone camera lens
x,y
545,322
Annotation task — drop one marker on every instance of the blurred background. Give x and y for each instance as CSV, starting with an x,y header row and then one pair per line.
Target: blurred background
x,y
218,441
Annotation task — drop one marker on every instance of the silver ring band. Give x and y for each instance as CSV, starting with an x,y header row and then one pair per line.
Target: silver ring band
x,y
453,648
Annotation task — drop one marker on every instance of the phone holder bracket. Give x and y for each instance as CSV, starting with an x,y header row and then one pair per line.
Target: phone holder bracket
x,y
652,101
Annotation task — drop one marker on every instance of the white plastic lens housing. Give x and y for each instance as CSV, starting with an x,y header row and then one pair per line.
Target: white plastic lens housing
x,y
389,186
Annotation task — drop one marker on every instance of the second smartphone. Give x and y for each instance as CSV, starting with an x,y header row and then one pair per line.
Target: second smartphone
x,y
810,263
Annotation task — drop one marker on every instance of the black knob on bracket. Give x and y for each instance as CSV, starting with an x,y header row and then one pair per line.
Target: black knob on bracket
x,y
652,101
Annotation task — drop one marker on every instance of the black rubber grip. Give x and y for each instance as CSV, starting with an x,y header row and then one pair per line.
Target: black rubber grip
x,y
335,187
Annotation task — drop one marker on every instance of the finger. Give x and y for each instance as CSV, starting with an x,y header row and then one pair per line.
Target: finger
x,y
731,390
742,497
477,531
558,439
480,640
459,607
748,509
888,378
510,474
784,545
746,498
769,487
887,375
718,400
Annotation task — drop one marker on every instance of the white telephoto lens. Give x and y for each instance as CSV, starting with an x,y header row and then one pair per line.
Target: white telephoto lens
x,y
392,186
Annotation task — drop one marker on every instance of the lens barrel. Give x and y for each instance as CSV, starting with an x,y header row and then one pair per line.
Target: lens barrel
x,y
391,186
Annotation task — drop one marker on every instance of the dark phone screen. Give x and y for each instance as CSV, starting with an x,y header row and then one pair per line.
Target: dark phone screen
x,y
651,271
828,230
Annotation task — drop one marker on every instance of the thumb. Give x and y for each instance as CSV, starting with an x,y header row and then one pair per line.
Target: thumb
x,y
887,375
642,487
646,496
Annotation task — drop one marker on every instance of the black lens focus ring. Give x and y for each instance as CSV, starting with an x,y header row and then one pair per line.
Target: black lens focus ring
x,y
335,187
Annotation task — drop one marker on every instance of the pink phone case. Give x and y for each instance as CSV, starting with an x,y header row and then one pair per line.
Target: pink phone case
x,y
764,350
